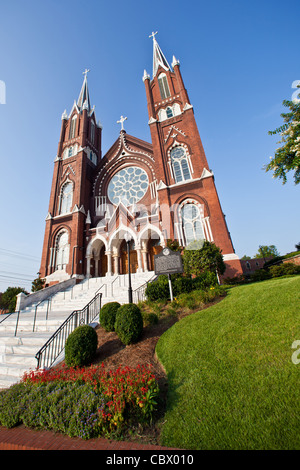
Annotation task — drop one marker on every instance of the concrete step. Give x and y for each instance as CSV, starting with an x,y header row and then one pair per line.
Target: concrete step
x,y
17,353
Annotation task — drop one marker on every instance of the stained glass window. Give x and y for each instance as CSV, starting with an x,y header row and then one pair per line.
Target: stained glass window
x,y
62,250
180,165
66,198
129,185
191,221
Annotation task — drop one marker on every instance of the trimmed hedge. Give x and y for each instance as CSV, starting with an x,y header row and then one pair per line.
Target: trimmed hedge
x,y
81,346
129,323
107,315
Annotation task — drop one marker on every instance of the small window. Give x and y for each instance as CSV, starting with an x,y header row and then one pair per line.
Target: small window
x,y
169,112
73,127
163,86
92,132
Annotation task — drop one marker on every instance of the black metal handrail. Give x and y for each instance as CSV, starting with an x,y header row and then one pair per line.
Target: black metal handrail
x,y
48,353
17,319
139,293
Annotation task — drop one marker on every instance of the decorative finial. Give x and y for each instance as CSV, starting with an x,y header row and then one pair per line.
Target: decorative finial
x,y
122,119
153,35
86,72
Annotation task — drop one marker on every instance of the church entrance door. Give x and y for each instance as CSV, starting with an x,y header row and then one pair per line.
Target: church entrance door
x,y
154,249
124,258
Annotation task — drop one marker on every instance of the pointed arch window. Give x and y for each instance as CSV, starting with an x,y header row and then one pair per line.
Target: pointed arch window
x,y
66,198
73,127
92,132
180,165
62,250
163,86
191,223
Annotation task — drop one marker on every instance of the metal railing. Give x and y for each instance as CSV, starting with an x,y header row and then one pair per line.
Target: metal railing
x,y
48,353
139,294
7,315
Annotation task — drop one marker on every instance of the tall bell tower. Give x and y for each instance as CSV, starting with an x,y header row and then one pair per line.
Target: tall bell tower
x,y
185,181
78,157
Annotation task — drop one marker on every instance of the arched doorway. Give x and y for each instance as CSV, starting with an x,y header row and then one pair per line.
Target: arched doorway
x,y
124,257
154,248
96,259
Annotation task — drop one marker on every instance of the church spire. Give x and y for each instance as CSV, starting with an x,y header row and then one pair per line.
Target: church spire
x,y
158,56
84,97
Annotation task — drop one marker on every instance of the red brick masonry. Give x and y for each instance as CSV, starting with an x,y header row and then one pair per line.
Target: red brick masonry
x,y
22,438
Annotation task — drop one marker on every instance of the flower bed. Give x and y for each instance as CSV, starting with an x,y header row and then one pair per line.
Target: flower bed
x,y
81,402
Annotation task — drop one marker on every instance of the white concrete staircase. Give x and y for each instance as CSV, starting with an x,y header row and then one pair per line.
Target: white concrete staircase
x,y
17,353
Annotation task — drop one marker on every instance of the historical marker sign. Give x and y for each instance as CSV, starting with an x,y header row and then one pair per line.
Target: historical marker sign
x,y
168,262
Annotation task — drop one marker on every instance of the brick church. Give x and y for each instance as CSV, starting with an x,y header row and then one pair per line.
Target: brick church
x,y
147,192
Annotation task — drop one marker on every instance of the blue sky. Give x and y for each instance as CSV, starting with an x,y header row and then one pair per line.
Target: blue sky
x,y
238,61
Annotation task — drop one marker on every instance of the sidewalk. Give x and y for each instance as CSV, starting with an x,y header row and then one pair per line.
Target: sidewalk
x,y
22,438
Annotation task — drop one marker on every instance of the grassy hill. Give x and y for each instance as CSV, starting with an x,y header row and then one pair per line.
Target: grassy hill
x,y
232,382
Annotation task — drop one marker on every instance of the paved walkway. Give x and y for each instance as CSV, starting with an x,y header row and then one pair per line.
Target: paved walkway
x,y
22,438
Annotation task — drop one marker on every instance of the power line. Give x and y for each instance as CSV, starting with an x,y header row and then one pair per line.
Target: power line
x,y
15,278
17,274
19,255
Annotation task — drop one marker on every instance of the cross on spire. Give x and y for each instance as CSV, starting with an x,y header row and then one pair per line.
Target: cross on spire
x,y
153,35
122,119
86,72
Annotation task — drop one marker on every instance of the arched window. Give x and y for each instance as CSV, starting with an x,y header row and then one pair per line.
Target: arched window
x,y
66,198
62,250
73,127
180,165
169,112
191,223
163,86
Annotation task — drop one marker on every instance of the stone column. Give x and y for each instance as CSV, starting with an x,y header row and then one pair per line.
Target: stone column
x,y
139,259
109,264
88,266
144,255
97,266
116,264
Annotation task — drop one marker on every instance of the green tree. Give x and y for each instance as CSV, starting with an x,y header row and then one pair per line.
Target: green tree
x,y
9,298
265,251
38,284
206,256
287,157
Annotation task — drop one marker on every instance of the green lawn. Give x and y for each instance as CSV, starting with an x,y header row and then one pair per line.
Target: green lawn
x,y
232,382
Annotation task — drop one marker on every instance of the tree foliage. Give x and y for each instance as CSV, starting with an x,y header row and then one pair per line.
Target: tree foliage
x,y
38,284
287,157
265,251
208,258
9,298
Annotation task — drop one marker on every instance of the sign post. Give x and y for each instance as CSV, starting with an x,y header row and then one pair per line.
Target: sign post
x,y
168,262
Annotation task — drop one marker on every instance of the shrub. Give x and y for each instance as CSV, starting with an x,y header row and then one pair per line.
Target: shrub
x,y
284,269
158,290
129,323
149,318
107,315
81,346
205,280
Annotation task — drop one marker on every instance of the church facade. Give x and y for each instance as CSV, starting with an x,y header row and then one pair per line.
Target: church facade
x,y
143,192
